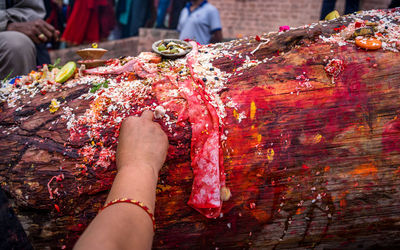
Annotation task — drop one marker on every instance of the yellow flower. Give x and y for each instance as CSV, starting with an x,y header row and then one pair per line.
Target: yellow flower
x,y
54,105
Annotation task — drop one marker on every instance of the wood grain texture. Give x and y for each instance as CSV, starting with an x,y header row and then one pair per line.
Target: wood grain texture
x,y
309,167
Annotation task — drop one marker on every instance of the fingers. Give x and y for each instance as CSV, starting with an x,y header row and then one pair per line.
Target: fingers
x,y
49,32
45,34
30,30
33,35
148,115
38,31
55,33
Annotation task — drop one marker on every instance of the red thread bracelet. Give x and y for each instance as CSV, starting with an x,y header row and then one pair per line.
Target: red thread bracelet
x,y
134,202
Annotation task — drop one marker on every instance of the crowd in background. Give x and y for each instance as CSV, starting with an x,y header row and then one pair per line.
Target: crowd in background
x,y
85,21
350,6
75,22
28,28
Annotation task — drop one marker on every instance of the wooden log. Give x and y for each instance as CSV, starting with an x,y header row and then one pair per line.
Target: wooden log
x,y
311,157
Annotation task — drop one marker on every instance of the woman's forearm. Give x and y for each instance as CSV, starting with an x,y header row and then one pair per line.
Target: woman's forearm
x,y
144,188
141,152
124,225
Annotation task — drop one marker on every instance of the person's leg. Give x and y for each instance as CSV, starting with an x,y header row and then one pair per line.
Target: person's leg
x,y
161,13
327,6
351,6
177,6
17,54
42,55
394,4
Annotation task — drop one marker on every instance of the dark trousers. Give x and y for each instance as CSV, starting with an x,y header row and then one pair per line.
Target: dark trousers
x,y
42,55
394,3
329,5
12,235
177,6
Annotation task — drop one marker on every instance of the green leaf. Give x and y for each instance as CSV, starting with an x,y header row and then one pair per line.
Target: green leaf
x,y
8,76
94,89
58,60
97,86
55,65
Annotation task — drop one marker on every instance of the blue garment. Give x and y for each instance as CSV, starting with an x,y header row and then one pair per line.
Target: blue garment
x,y
132,15
161,12
126,9
199,24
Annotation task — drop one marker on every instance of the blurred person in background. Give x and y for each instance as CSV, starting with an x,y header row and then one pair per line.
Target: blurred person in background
x,y
200,21
90,21
172,8
177,6
161,13
329,5
134,14
56,17
394,4
23,34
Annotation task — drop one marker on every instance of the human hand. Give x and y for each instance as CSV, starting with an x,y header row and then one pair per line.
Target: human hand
x,y
59,3
141,143
38,31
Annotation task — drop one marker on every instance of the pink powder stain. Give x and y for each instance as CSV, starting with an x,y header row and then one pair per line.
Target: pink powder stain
x,y
391,136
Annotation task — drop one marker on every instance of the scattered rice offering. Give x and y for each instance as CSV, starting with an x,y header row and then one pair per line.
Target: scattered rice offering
x,y
126,87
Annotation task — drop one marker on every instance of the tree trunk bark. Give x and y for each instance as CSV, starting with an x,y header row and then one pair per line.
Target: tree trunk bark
x,y
312,158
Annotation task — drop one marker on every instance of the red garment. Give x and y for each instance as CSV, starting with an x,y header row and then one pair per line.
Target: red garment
x,y
107,19
53,18
87,21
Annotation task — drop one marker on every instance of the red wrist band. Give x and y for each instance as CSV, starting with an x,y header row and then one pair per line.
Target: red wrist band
x,y
134,202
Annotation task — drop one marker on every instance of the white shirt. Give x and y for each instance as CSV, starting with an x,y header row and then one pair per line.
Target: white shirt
x,y
199,24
